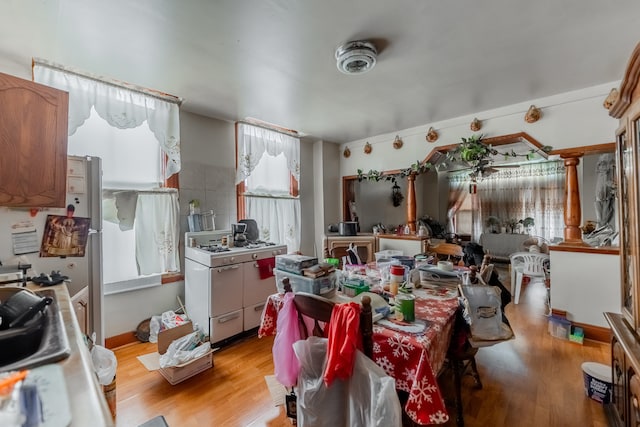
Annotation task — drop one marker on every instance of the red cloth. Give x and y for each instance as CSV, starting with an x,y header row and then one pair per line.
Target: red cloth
x,y
344,339
266,266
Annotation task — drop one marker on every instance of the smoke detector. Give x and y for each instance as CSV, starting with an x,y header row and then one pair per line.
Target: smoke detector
x,y
356,57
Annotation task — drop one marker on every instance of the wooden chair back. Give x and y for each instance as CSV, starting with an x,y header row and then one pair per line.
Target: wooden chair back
x,y
319,309
448,251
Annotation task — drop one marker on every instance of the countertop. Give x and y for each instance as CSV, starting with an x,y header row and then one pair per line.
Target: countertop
x,y
86,399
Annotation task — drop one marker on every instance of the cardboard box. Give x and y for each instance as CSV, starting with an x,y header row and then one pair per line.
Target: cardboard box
x,y
177,374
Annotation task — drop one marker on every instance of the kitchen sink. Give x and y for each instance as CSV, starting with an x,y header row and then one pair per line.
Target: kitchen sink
x,y
39,341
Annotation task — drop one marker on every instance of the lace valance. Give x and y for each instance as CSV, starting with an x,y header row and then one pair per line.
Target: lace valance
x,y
119,106
254,141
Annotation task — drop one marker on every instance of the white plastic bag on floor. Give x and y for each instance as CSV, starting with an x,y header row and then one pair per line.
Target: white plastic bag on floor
x,y
104,363
183,350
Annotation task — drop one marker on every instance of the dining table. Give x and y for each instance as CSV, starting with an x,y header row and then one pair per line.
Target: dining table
x,y
413,353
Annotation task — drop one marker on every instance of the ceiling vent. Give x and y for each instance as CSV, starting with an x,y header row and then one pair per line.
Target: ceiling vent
x,y
356,57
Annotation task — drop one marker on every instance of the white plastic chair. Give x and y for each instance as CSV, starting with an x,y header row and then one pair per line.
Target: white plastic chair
x,y
531,264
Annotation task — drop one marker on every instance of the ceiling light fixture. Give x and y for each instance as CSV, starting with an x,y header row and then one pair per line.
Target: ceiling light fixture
x,y
356,57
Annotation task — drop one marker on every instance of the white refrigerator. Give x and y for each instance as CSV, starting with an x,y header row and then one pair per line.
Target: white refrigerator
x,y
22,230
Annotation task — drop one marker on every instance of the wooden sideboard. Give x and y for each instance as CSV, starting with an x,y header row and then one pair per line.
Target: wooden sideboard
x,y
624,410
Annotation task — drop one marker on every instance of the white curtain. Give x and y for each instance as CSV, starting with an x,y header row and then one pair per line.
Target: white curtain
x,y
458,192
278,220
157,236
535,190
266,162
120,107
254,141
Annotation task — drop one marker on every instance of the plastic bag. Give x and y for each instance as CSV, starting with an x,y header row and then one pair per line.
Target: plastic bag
x,y
171,320
166,320
104,364
368,398
483,312
183,350
285,363
154,328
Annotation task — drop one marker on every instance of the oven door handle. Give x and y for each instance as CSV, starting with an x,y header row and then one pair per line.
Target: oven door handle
x,y
228,318
229,267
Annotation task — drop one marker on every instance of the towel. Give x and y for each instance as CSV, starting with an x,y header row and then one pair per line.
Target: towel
x,y
265,267
344,339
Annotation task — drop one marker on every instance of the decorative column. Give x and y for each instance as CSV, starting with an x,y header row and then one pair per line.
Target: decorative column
x,y
411,202
572,209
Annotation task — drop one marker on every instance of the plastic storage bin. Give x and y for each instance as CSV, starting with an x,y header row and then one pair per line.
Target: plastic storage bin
x,y
559,327
295,263
325,285
386,255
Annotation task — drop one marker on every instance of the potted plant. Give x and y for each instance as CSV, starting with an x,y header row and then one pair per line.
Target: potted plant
x,y
493,222
528,223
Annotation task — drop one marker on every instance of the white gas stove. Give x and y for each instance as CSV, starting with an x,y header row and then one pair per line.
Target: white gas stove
x,y
226,287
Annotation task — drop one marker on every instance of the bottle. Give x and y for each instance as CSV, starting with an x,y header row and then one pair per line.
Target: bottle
x,y
396,277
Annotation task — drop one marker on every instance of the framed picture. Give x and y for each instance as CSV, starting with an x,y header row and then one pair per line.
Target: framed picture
x,y
65,236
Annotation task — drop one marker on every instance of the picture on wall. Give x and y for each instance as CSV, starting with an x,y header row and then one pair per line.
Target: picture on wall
x,y
65,236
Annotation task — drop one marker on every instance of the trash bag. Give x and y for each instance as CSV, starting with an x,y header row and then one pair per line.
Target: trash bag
x,y
285,363
483,312
183,350
367,398
104,363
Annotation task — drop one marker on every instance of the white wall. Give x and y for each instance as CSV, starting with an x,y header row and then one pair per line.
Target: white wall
x,y
585,285
568,120
326,179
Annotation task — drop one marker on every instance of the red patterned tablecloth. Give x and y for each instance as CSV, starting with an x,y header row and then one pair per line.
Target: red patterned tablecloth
x,y
412,359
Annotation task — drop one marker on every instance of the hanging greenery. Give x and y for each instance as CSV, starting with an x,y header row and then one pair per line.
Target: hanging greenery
x,y
416,168
477,154
473,151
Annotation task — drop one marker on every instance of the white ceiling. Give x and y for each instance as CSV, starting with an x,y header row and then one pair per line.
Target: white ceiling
x,y
274,59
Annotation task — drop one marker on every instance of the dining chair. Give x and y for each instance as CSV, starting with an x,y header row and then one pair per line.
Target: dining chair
x,y
530,264
319,310
447,251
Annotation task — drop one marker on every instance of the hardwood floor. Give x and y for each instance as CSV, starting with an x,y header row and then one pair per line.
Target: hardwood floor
x,y
534,380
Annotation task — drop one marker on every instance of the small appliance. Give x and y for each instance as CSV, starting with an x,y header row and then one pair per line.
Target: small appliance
x,y
239,234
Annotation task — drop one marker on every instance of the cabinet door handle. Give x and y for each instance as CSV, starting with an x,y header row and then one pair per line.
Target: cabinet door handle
x,y
229,267
228,318
258,307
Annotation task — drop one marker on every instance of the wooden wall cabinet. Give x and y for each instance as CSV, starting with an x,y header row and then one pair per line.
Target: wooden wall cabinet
x,y
33,143
625,342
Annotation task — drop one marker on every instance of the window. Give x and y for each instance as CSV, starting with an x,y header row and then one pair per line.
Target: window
x,y
463,219
268,173
136,134
131,166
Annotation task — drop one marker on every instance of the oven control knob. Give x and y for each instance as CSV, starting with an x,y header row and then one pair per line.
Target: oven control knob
x,y
232,259
254,256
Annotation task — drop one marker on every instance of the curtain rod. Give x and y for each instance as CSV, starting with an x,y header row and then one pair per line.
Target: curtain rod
x,y
269,126
106,80
266,196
